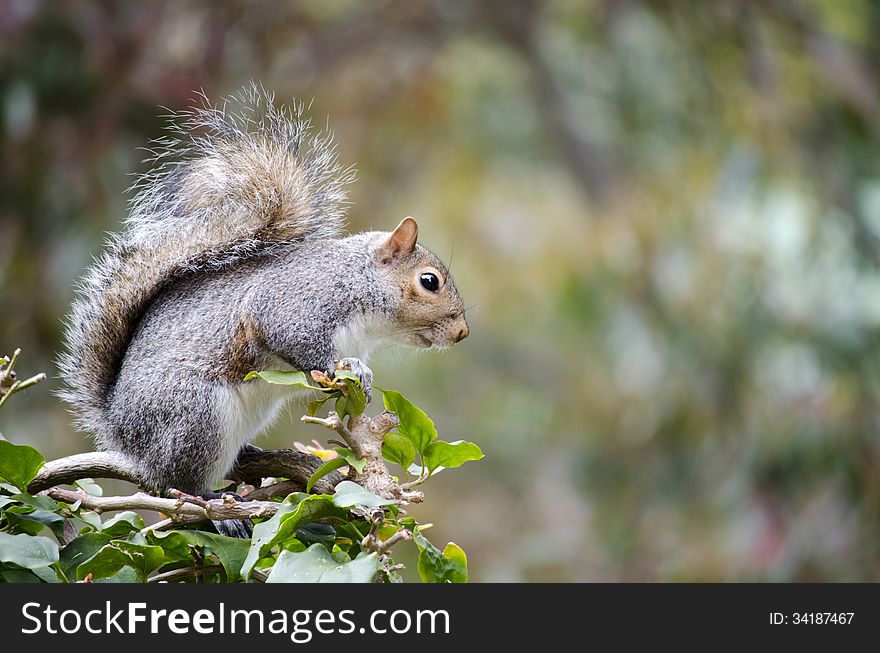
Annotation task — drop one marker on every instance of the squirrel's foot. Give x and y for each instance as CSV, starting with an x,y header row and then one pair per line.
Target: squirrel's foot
x,y
361,371
249,449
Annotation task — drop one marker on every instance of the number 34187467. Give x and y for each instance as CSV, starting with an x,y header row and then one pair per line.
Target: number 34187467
x,y
811,618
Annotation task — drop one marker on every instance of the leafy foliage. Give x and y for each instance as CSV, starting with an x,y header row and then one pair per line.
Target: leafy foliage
x,y
311,538
19,463
317,565
417,436
435,566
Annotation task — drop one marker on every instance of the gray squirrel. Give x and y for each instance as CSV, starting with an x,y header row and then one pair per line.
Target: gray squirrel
x,y
233,260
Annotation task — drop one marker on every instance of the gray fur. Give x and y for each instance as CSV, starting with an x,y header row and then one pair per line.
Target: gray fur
x,y
231,260
227,184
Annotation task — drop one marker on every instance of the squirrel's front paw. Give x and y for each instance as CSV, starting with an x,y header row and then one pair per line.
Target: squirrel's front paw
x,y
361,371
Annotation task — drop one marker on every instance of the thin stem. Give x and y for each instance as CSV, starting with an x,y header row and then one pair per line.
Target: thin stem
x,y
183,572
8,393
18,386
334,423
402,535
11,365
421,479
34,380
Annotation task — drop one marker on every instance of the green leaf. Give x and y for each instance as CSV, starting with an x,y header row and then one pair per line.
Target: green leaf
x,y
435,566
19,464
126,575
356,399
341,406
122,524
316,532
116,554
90,518
350,494
104,563
81,549
345,457
278,377
145,557
32,521
346,374
316,565
13,575
295,510
450,454
38,502
28,551
89,486
230,551
315,406
349,456
31,514
458,559
416,470
414,423
48,574
399,449
323,470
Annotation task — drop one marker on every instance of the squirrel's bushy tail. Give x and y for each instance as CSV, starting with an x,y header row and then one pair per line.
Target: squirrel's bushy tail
x,y
228,183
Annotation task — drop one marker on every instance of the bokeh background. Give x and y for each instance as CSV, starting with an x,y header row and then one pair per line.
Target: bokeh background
x,y
667,216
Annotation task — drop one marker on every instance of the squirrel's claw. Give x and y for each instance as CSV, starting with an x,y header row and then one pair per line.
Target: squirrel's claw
x,y
361,371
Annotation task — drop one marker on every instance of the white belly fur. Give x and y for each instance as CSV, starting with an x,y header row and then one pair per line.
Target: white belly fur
x,y
247,409
244,411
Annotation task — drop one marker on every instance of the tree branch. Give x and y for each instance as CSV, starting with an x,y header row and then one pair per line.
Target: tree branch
x,y
97,464
297,466
216,509
252,464
365,436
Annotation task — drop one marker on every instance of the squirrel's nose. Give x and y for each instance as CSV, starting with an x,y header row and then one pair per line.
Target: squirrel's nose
x,y
462,333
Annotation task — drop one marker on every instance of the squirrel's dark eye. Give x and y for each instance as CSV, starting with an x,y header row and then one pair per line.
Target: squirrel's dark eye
x,y
429,281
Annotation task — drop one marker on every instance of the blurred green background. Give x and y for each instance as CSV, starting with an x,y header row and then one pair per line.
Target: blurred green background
x,y
667,215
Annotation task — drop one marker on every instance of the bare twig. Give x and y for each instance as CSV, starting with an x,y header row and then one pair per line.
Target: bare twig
x,y
167,523
215,509
334,423
280,489
97,464
418,481
384,546
9,384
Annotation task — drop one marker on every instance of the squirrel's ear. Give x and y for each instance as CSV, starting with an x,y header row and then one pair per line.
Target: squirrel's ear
x,y
401,242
